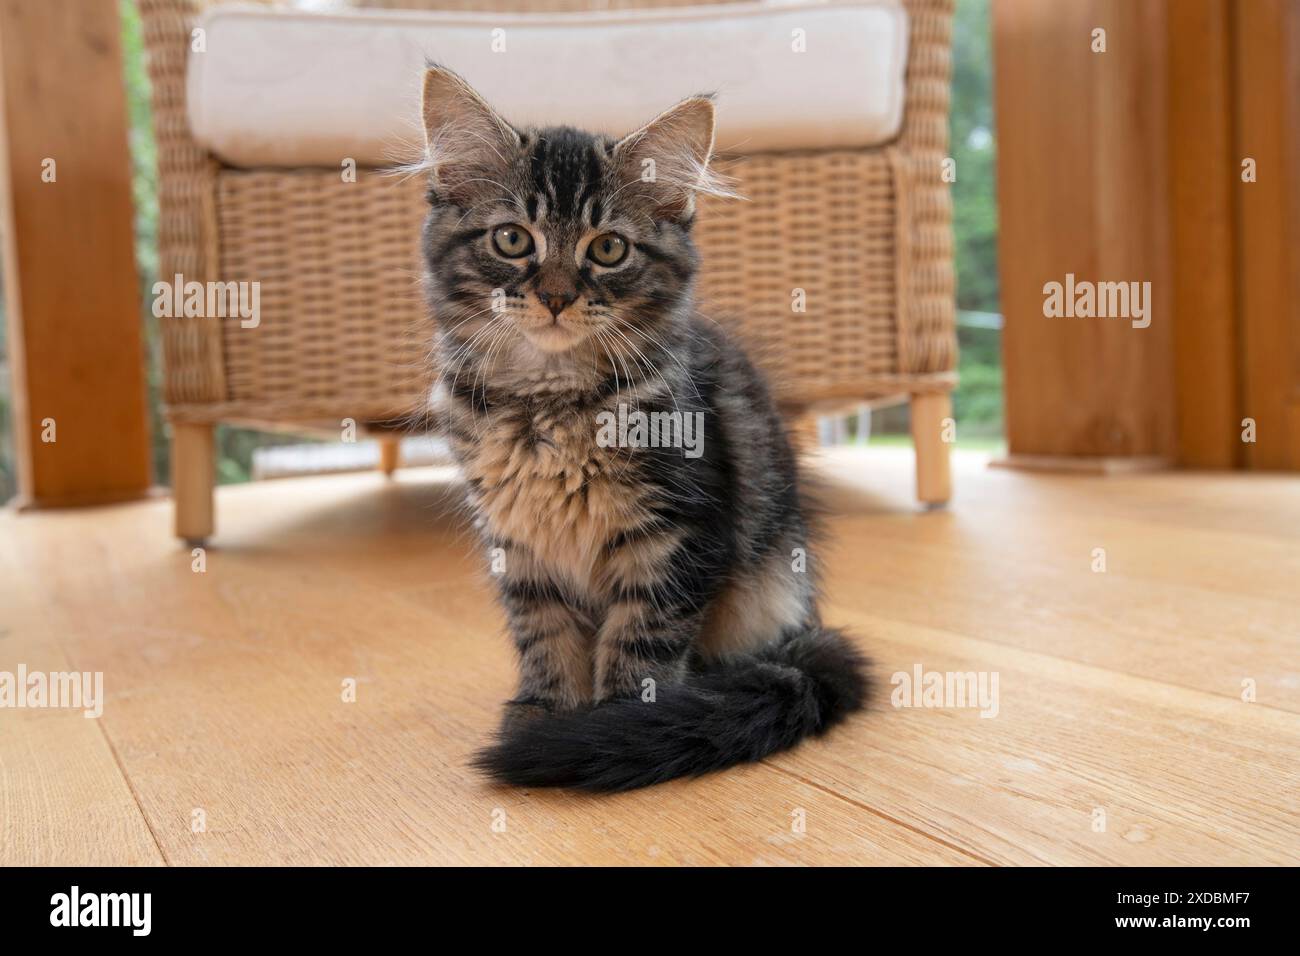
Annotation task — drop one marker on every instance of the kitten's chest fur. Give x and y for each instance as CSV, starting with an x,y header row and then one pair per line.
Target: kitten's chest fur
x,y
540,479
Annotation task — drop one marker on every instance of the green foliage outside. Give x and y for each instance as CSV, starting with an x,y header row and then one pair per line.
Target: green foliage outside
x,y
975,210
977,402
143,181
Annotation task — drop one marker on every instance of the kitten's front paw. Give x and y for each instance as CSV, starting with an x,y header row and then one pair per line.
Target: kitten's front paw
x,y
520,712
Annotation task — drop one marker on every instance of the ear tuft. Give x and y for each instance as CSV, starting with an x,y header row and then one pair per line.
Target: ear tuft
x,y
671,156
466,141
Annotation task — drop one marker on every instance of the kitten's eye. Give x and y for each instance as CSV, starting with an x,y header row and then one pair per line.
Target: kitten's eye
x,y
607,249
513,242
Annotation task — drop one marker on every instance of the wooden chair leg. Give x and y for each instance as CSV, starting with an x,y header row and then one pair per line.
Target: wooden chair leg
x,y
805,430
390,455
193,478
933,469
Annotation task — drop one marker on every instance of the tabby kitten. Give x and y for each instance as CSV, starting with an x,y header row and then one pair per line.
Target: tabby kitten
x,y
651,590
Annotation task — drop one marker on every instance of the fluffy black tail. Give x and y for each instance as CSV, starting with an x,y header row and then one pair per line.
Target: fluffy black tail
x,y
723,715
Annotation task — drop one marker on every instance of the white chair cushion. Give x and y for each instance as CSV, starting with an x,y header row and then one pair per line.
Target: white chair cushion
x,y
287,88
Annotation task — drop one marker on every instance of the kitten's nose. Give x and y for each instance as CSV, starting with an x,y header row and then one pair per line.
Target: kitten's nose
x,y
556,300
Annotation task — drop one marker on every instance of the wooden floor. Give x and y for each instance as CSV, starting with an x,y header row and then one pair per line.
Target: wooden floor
x,y
1120,693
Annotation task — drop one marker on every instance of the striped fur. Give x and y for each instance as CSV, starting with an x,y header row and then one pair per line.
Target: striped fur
x,y
662,604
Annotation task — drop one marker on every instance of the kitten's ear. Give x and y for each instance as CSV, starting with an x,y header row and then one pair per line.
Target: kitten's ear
x,y
670,156
466,140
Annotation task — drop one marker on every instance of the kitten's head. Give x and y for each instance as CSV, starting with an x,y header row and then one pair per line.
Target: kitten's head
x,y
553,251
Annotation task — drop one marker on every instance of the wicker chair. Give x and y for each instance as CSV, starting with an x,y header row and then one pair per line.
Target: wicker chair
x,y
345,335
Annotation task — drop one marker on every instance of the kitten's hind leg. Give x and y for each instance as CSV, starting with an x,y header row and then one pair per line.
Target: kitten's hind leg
x,y
656,599
554,643
653,621
644,642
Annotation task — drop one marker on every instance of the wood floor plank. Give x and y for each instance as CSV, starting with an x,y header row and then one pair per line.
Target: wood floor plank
x,y
63,798
1183,635
1206,609
1182,776
1118,691
227,700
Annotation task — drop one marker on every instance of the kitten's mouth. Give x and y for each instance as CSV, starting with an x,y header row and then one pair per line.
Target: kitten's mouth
x,y
554,335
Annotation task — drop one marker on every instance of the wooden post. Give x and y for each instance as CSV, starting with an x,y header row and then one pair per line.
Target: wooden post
x,y
1082,193
1205,182
1267,38
80,424
1170,157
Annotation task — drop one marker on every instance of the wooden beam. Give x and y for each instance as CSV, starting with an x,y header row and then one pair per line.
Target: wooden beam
x,y
70,278
1205,178
1082,192
1267,38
